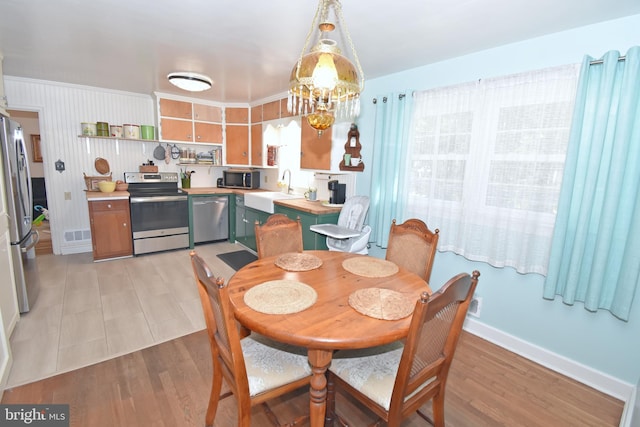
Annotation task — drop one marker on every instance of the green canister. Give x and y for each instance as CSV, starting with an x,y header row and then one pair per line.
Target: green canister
x,y
102,129
147,132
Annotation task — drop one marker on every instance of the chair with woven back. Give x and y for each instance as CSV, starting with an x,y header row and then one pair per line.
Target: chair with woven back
x,y
278,235
394,381
413,246
255,368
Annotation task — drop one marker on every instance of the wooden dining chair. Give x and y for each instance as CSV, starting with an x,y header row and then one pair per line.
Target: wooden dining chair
x,y
255,368
278,235
396,380
413,246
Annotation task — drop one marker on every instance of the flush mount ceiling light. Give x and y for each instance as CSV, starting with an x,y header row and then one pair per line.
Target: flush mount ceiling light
x,y
324,84
192,82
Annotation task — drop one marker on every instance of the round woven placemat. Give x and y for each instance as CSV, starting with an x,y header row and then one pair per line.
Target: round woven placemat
x,y
295,261
370,266
280,297
381,303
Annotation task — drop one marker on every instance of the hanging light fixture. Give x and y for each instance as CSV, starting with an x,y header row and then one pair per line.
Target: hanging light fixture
x,y
192,82
324,84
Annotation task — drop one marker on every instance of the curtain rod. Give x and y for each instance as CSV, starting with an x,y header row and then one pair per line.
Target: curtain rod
x,y
600,61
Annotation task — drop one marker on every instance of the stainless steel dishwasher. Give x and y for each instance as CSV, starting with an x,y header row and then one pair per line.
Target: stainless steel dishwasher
x,y
210,218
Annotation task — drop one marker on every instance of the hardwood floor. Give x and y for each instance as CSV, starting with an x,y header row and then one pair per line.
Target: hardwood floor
x,y
168,385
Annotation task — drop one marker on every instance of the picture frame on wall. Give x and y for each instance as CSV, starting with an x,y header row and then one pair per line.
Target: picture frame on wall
x,y
35,148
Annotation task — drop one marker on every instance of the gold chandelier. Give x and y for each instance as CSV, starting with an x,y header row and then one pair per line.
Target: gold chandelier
x,y
324,84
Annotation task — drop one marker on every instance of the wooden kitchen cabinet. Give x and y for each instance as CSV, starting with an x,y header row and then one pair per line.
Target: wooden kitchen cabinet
x,y
208,132
176,130
110,228
256,145
237,144
236,115
177,109
184,121
315,152
207,113
256,114
271,111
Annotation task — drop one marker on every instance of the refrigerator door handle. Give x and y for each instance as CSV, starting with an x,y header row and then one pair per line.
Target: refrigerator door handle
x,y
34,241
25,161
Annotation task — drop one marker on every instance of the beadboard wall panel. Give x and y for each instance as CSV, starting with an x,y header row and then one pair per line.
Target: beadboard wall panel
x,y
62,108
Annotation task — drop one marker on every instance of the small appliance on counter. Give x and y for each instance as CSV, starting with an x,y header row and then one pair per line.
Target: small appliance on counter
x,y
337,192
241,178
220,183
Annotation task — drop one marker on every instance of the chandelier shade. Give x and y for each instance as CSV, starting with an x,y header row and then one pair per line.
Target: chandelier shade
x,y
325,85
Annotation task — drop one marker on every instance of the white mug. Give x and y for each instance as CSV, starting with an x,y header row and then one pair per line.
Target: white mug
x,y
355,161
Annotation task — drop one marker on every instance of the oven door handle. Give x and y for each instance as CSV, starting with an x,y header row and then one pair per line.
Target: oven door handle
x,y
154,199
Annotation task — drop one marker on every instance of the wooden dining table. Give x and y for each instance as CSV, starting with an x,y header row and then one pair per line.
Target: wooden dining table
x,y
329,324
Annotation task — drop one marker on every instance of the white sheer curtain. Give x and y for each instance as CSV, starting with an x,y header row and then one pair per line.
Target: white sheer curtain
x,y
485,164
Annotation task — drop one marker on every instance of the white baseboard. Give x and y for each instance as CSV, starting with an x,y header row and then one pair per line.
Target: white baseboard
x,y
631,411
563,365
70,249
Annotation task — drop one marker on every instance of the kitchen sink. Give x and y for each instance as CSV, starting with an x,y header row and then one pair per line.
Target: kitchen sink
x,y
263,200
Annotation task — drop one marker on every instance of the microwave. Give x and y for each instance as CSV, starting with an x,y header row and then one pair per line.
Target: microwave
x,y
241,178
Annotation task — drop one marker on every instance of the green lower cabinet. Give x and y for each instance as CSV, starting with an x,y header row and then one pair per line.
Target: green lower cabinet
x,y
248,223
310,239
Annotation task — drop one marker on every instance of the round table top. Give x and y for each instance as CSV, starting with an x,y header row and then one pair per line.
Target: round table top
x,y
330,323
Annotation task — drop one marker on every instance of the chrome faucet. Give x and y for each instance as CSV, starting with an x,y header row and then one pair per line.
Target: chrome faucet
x,y
289,182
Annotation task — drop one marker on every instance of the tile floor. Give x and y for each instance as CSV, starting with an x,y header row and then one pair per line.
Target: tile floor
x,y
88,312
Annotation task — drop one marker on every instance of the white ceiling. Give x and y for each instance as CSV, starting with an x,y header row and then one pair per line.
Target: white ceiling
x,y
249,47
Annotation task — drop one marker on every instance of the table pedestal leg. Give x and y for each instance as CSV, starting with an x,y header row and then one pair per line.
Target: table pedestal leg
x,y
320,361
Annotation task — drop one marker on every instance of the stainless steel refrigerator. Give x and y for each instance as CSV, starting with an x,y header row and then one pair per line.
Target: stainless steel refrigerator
x,y
23,237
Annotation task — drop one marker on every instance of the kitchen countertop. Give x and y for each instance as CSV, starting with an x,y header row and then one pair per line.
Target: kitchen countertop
x,y
217,190
315,208
93,196
305,205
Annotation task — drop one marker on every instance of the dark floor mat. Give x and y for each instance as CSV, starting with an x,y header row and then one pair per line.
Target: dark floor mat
x,y
237,259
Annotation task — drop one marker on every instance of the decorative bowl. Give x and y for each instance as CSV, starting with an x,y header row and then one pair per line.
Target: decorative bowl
x,y
123,186
107,186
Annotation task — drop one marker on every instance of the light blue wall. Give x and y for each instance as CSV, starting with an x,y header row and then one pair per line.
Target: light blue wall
x,y
513,302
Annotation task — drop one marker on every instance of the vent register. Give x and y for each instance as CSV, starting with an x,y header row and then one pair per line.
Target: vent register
x,y
77,235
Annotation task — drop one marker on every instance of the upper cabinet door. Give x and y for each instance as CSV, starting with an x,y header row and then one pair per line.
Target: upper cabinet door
x,y
208,132
256,145
271,111
177,109
237,115
256,114
176,130
207,113
315,151
237,144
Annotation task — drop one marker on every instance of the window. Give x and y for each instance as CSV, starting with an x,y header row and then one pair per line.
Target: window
x,y
485,164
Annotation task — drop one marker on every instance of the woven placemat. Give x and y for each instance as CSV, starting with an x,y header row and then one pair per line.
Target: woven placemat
x,y
370,266
381,303
295,261
280,297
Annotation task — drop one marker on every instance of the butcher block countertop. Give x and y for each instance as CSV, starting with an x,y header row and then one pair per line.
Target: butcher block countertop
x,y
315,208
216,190
99,195
304,205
